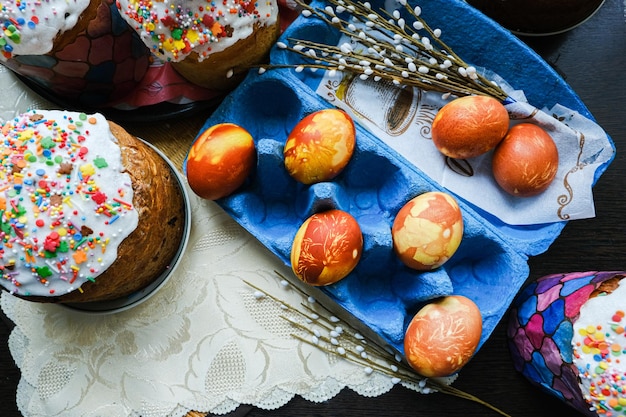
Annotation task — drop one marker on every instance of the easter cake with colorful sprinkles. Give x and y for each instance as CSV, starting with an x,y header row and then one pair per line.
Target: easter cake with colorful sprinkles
x,y
88,212
80,51
567,336
210,43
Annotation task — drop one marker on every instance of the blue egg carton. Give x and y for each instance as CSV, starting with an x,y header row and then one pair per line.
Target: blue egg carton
x,y
491,264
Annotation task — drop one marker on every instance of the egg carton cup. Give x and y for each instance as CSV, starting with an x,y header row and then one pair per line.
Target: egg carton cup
x,y
381,295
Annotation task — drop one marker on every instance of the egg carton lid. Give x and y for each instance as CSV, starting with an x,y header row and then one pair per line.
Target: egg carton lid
x,y
491,263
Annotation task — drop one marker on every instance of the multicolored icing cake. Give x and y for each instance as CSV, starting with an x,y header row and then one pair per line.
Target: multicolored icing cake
x,y
79,50
567,336
79,204
205,41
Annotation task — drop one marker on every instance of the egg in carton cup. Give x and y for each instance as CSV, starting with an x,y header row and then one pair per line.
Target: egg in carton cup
x,y
381,295
381,291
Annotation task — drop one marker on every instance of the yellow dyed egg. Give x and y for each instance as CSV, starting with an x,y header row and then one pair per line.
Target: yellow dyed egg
x,y
427,230
220,161
320,146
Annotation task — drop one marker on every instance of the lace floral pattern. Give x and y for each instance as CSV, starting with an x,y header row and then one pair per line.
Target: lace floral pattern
x,y
204,342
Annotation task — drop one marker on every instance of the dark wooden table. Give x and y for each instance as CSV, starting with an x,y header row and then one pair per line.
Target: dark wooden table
x,y
592,59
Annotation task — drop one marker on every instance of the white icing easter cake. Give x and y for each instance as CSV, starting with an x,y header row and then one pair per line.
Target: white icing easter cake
x,y
31,27
566,334
599,345
88,212
78,51
205,41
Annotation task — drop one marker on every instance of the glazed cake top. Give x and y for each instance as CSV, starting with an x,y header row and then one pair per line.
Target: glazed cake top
x,y
66,202
599,347
29,27
173,30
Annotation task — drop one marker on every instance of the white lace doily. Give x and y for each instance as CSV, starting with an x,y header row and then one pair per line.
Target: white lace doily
x,y
206,341
215,336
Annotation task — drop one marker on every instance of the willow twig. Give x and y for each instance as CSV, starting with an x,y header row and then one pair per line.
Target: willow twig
x,y
383,45
346,342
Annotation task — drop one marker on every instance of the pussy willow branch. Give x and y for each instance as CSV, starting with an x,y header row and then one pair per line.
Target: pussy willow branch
x,y
388,48
377,359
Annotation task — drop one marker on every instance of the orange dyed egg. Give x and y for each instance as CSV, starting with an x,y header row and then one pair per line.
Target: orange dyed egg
x,y
220,160
320,146
443,336
469,126
427,230
526,161
327,247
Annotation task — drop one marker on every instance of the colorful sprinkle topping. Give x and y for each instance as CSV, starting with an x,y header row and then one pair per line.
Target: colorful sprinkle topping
x,y
29,27
599,346
62,186
173,30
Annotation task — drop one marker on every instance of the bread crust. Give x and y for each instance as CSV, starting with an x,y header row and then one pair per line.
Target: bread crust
x,y
150,249
69,36
212,72
607,286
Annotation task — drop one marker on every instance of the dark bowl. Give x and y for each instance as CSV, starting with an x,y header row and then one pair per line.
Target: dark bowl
x,y
538,17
